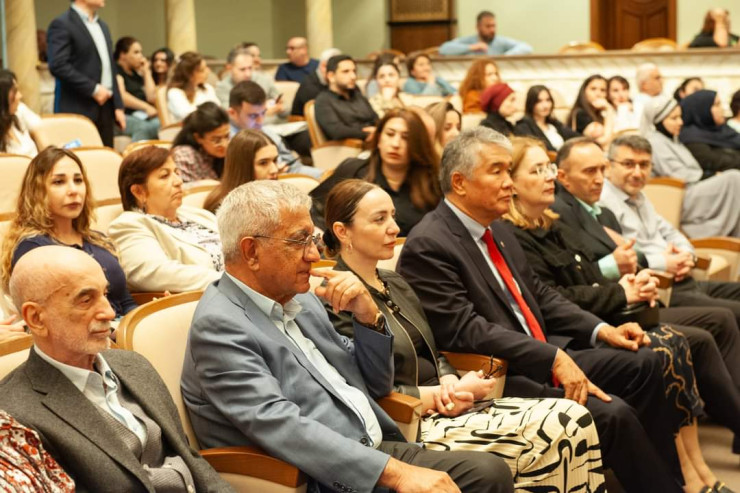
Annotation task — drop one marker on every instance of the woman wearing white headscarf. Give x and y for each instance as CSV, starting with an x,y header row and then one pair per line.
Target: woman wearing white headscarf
x,y
711,206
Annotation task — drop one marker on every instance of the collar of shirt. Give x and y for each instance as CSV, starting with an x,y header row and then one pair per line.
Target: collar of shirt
x,y
475,228
624,197
78,376
85,16
271,308
593,210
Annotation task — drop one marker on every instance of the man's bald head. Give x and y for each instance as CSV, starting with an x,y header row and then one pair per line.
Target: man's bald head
x,y
41,272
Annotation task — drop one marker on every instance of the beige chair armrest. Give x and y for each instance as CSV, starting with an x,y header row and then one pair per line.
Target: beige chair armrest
x,y
142,298
405,411
251,461
465,362
665,286
725,248
354,143
702,262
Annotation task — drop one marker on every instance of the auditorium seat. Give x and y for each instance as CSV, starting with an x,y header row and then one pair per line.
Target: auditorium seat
x,y
195,193
63,128
471,120
304,182
327,154
13,353
101,165
718,258
105,212
169,132
655,44
287,88
164,144
13,169
465,362
578,47
419,100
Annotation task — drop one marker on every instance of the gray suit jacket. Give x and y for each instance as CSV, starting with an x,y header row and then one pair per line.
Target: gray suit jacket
x,y
246,383
78,437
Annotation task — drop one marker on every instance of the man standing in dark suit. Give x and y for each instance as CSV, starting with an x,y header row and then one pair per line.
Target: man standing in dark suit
x,y
105,415
480,296
81,58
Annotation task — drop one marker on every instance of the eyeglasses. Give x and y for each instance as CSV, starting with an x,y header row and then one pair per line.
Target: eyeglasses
x,y
491,369
315,239
547,170
631,165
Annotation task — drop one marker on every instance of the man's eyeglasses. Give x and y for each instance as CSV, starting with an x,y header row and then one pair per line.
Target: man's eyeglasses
x,y
491,369
547,170
631,165
315,239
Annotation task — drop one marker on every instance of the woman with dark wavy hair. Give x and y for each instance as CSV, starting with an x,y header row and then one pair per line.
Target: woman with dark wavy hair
x,y
403,162
16,119
55,207
161,62
188,88
592,115
200,147
538,121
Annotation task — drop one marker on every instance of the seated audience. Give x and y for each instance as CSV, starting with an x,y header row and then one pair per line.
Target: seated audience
x,y
361,231
649,84
480,300
687,87
715,33
25,467
105,415
136,84
618,95
299,64
239,66
486,42
55,207
422,79
247,111
483,73
188,89
16,119
700,214
592,115
561,261
285,381
266,81
313,83
538,121
342,112
713,143
371,87
200,147
162,244
387,78
403,162
447,123
734,122
251,155
499,103
162,61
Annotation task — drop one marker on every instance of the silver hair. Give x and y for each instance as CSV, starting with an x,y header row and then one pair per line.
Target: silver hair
x,y
643,72
461,154
635,142
328,53
255,208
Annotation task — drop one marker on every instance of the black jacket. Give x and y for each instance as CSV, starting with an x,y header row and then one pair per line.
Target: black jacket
x,y
713,159
528,127
407,305
341,118
498,123
75,63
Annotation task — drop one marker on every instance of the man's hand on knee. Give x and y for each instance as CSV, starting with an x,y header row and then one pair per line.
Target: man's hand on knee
x,y
405,478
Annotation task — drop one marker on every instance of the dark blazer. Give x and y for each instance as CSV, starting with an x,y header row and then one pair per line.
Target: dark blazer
x,y
246,383
75,63
78,437
495,121
467,309
562,261
403,304
526,126
713,159
588,230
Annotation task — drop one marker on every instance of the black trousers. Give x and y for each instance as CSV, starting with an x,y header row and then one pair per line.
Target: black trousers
x,y
636,429
707,293
105,122
477,472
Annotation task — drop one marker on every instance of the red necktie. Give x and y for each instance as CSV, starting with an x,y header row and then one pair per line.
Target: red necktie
x,y
505,273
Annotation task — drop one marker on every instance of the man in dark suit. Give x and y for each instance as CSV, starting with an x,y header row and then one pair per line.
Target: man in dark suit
x,y
81,59
480,296
104,415
265,367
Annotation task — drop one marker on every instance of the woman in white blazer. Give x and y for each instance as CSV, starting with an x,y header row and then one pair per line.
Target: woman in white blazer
x,y
162,245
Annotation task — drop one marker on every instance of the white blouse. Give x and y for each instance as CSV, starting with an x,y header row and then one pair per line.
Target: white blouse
x,y
179,106
19,140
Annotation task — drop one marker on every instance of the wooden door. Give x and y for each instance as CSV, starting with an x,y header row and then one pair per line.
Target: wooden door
x,y
420,24
619,24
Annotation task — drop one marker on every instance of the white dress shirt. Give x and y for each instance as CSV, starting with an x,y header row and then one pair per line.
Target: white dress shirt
x,y
93,26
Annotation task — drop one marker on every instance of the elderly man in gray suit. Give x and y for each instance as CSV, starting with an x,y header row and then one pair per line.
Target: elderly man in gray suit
x,y
104,415
265,367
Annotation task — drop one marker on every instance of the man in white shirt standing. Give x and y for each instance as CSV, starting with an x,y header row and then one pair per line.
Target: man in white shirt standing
x,y
81,59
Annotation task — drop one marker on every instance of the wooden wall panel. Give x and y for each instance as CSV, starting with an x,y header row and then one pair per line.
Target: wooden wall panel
x,y
619,24
419,24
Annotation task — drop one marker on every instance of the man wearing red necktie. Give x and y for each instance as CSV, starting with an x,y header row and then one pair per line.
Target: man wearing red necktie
x,y
480,296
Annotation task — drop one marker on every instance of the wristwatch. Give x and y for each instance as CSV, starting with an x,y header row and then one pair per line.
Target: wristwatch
x,y
378,324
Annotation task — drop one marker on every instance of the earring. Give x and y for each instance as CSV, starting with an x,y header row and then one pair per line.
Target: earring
x,y
349,247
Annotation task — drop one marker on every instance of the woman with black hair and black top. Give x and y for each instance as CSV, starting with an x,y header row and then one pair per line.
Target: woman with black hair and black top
x,y
200,147
538,121
592,115
16,119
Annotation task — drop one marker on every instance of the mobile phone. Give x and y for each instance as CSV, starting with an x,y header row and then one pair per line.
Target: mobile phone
x,y
278,98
